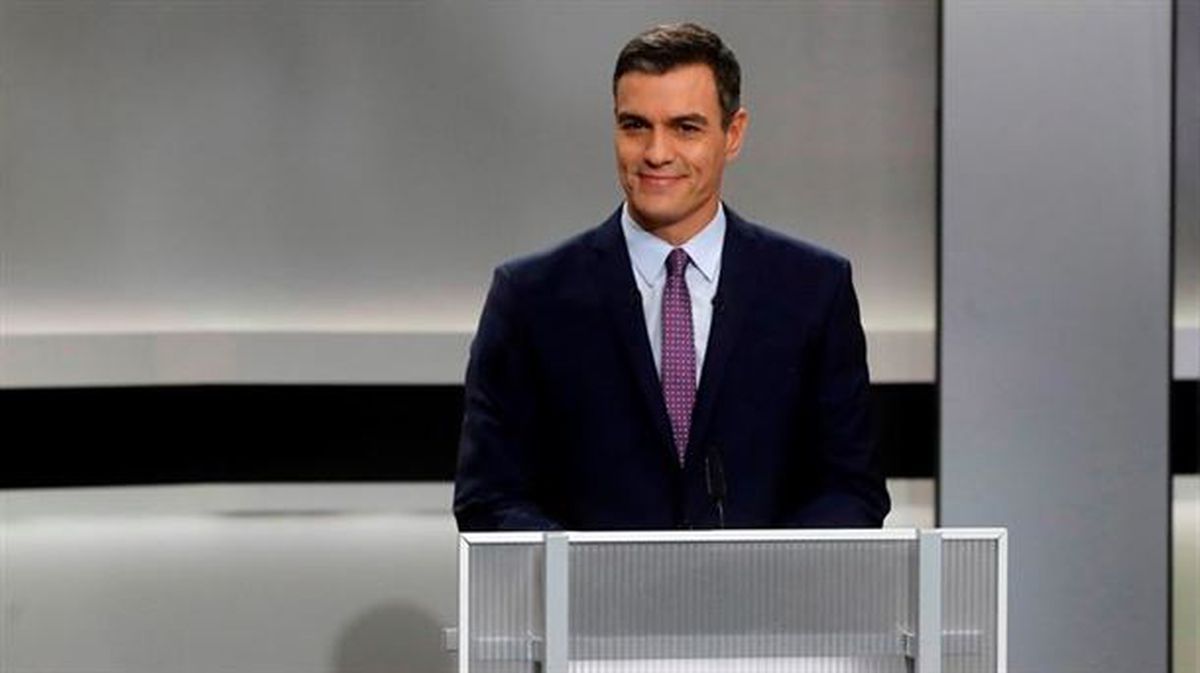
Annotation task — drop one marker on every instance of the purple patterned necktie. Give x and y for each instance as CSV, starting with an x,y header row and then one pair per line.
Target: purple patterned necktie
x,y
678,351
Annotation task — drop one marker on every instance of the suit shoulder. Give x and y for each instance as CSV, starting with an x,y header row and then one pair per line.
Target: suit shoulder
x,y
550,265
796,253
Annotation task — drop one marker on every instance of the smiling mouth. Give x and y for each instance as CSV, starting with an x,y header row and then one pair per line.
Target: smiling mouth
x,y
659,180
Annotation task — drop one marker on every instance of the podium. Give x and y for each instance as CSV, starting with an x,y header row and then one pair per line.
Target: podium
x,y
744,601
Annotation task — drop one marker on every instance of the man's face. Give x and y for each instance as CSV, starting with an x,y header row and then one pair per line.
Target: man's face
x,y
671,148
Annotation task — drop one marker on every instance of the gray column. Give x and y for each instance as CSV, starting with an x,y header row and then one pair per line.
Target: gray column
x,y
1055,318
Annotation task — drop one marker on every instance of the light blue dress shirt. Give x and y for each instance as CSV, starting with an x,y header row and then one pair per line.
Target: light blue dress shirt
x,y
648,255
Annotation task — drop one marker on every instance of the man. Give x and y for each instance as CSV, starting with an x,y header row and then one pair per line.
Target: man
x,y
678,366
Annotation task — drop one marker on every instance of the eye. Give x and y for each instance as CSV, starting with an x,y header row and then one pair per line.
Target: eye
x,y
631,124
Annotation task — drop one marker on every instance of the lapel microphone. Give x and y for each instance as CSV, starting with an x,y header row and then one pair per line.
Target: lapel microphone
x,y
714,479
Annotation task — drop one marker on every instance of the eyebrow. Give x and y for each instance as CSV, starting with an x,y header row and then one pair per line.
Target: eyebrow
x,y
693,118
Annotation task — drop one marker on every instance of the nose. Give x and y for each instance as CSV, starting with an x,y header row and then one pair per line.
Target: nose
x,y
658,150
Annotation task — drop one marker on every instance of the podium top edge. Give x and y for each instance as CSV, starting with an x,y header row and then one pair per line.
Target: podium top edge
x,y
740,535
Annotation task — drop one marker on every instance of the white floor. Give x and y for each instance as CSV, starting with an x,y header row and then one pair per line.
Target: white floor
x,y
296,578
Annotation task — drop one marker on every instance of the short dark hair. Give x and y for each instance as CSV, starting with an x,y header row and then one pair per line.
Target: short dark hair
x,y
669,46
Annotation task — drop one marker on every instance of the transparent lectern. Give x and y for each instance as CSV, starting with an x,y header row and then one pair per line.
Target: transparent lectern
x,y
845,601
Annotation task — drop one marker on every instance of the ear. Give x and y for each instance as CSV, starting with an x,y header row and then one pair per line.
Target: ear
x,y
736,133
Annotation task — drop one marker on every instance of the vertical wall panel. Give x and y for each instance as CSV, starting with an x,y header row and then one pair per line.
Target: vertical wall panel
x,y
1054,370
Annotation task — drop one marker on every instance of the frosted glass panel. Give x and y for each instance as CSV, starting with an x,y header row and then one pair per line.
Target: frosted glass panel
x,y
969,596
735,601
506,615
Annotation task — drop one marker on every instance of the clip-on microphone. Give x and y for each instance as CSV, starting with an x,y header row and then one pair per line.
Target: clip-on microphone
x,y
714,478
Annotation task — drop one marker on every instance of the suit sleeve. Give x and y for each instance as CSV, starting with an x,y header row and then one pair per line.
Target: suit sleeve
x,y
494,483
851,492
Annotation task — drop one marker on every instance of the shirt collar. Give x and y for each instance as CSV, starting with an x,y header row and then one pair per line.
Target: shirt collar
x,y
649,252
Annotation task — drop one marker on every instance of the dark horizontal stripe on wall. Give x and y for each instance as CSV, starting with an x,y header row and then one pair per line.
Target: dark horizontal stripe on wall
x,y
1185,427
227,433
904,419
231,433
250,433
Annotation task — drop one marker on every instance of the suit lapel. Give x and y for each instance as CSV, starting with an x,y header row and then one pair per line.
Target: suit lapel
x,y
735,293
615,277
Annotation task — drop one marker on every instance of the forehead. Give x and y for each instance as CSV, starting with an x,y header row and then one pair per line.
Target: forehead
x,y
688,89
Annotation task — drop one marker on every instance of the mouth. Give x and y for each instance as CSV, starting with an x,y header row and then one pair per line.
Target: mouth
x,y
658,181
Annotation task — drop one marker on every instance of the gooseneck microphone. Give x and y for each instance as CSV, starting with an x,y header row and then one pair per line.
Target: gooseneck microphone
x,y
714,478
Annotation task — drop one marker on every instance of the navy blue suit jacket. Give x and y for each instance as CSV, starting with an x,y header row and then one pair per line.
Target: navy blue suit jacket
x,y
565,424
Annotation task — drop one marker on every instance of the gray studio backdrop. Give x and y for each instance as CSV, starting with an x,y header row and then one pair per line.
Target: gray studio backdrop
x,y
295,192
240,191
281,191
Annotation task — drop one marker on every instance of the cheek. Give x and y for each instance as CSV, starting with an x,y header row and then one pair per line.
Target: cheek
x,y
710,165
701,159
627,149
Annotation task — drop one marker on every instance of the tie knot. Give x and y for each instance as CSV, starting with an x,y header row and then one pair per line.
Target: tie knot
x,y
676,262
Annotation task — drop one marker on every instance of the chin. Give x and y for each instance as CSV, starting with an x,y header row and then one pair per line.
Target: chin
x,y
656,210
654,219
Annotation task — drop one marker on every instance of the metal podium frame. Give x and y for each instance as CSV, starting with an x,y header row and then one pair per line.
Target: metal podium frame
x,y
923,649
